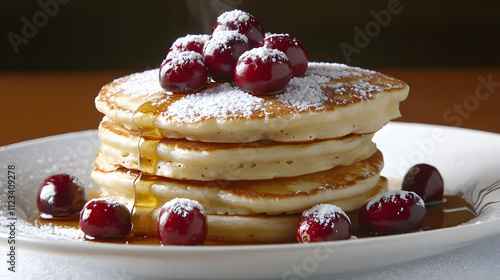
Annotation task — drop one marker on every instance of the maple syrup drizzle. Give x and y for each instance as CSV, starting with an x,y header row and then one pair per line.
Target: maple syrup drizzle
x,y
144,201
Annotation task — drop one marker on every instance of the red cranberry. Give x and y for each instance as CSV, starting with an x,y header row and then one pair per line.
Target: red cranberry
x,y
293,49
242,22
323,222
221,53
262,70
426,181
182,222
61,195
105,217
183,72
193,43
393,212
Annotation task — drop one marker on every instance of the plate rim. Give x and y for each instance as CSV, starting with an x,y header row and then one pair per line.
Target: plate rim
x,y
177,248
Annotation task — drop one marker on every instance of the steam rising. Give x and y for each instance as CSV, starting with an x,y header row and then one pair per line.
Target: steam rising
x,y
206,12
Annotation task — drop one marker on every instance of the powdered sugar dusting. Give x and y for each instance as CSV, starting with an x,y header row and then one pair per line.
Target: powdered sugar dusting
x,y
307,92
362,89
304,92
44,231
219,41
222,101
277,37
391,197
182,42
52,230
323,214
183,206
336,70
234,16
175,60
110,202
263,54
139,84
323,85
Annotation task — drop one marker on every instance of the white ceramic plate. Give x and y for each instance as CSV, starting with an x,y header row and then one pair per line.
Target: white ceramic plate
x,y
468,160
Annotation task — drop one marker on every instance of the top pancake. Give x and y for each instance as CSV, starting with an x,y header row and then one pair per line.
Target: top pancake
x,y
329,101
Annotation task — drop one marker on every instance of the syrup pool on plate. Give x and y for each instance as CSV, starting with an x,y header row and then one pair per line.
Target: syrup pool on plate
x,y
454,212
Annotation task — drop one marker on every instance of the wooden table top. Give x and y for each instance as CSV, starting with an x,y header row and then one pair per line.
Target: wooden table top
x,y
41,104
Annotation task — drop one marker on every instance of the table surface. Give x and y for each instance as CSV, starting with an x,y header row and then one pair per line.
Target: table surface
x,y
48,103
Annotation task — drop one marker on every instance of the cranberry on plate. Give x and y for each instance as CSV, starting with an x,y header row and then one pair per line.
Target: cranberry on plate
x,y
241,22
263,71
426,181
392,212
293,49
105,218
61,195
182,222
323,222
183,72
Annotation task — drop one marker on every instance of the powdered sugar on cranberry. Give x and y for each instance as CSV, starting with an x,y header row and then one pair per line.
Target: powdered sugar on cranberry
x,y
175,60
183,42
263,54
219,41
110,202
324,213
390,197
222,101
183,206
234,16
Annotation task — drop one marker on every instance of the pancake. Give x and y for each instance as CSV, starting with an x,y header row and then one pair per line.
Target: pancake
x,y
264,228
251,228
329,101
194,160
345,186
255,163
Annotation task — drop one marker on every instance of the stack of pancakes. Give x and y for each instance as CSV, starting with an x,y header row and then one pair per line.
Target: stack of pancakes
x,y
253,162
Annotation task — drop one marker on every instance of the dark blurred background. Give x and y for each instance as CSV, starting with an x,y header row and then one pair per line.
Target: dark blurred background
x,y
59,35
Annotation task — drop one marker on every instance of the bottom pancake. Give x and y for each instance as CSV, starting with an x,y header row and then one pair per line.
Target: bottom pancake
x,y
254,228
264,228
258,211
